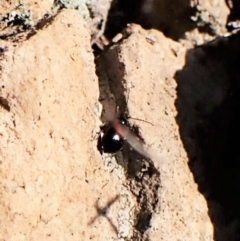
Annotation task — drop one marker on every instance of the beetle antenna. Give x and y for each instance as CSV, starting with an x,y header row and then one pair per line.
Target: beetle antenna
x,y
141,120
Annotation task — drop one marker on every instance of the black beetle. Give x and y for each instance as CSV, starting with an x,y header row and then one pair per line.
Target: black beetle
x,y
109,141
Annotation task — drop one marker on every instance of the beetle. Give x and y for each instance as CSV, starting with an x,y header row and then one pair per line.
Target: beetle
x,y
109,140
117,131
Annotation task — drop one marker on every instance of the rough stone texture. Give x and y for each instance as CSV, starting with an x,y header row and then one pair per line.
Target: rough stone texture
x,y
17,17
208,109
191,96
210,19
144,65
194,21
37,8
50,169
54,183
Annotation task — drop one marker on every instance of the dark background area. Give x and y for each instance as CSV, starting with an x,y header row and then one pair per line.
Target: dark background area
x,y
209,128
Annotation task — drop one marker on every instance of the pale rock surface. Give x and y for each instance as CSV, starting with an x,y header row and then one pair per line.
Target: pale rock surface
x,y
145,63
52,178
37,8
54,183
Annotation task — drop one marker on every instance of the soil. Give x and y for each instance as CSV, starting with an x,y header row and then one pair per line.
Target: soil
x,y
171,68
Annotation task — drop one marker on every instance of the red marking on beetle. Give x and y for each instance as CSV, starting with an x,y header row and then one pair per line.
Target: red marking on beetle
x,y
130,137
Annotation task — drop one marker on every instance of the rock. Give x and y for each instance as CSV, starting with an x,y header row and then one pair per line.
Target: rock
x,y
53,182
208,109
37,10
16,16
141,70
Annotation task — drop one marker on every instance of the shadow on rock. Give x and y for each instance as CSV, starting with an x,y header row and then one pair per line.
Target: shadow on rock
x,y
208,104
234,15
172,17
